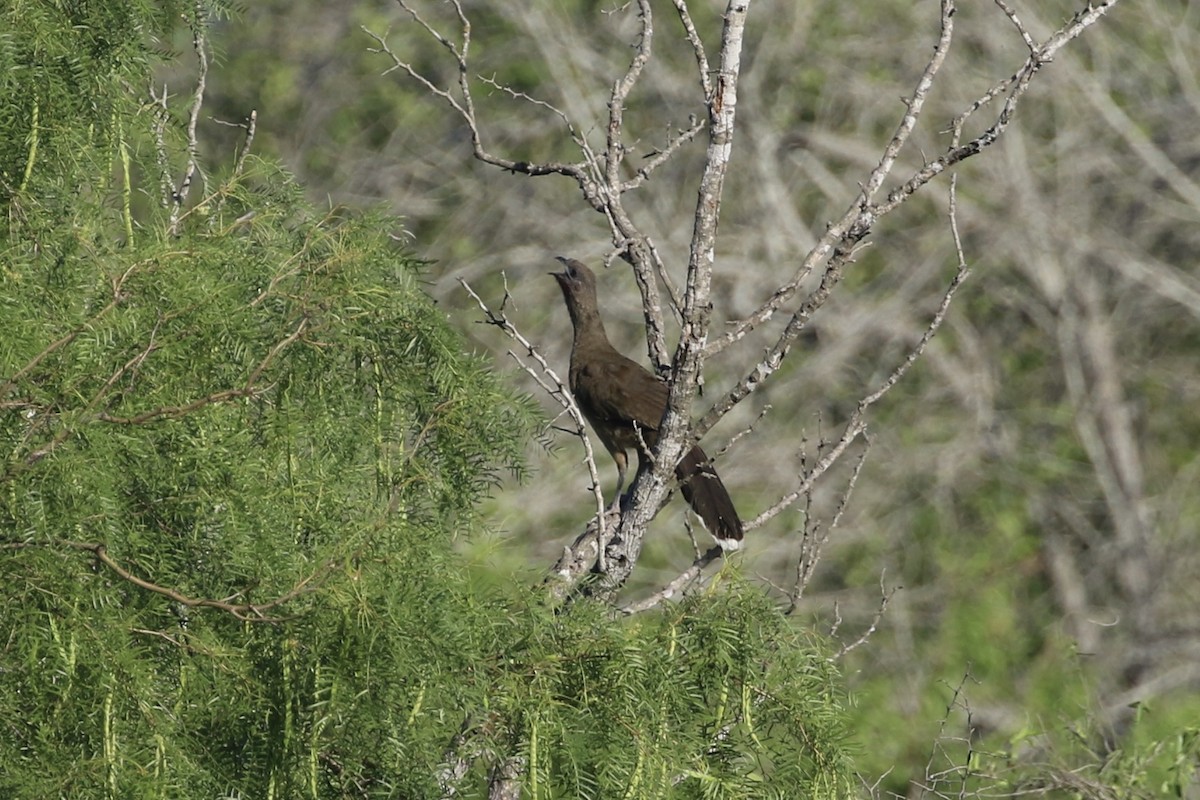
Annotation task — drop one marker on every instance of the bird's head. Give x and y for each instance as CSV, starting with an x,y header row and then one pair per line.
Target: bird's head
x,y
576,280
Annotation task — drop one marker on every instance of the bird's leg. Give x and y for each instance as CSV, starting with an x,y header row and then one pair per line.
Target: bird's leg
x,y
622,465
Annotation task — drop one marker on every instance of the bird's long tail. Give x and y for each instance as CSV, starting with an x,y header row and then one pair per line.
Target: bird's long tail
x,y
704,492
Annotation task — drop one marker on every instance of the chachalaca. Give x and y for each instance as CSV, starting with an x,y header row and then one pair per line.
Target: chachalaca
x,y
625,403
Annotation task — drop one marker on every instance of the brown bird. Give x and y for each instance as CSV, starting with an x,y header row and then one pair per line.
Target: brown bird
x,y
625,403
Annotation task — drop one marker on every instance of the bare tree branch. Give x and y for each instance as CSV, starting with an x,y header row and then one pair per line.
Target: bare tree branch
x,y
812,543
465,107
702,70
1015,88
239,164
1012,15
676,585
650,486
199,25
885,597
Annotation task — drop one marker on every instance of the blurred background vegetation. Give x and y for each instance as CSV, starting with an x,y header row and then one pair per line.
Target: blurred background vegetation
x,y
1029,497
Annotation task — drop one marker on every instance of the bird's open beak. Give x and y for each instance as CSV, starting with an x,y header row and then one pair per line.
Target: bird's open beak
x,y
560,276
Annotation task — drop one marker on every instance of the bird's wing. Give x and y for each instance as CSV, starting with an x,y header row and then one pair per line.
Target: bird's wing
x,y
619,391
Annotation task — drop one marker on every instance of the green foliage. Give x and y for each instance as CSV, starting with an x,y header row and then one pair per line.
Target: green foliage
x,y
62,66
715,698
253,414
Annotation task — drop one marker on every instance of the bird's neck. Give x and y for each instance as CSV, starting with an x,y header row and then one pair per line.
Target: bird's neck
x,y
589,328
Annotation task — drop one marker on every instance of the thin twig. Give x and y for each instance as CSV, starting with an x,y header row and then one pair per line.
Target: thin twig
x,y
161,117
558,390
250,389
812,546
658,157
1015,88
249,612
737,437
689,28
857,424
250,126
200,45
465,106
676,585
885,597
1012,16
609,176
